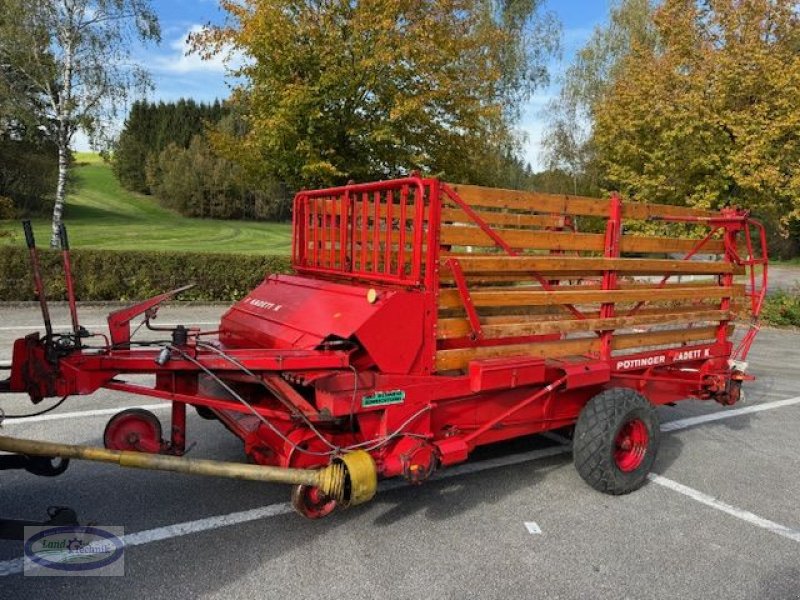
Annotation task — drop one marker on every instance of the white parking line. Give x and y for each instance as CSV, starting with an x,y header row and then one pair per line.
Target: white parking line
x,y
727,414
39,326
668,426
744,515
83,414
15,566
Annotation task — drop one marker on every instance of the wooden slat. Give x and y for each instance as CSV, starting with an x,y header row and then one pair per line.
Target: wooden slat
x,y
447,360
566,204
665,337
453,327
531,201
457,328
586,278
589,242
450,298
456,215
642,211
544,264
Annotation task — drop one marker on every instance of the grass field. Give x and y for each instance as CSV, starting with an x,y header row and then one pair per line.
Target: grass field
x,y
101,214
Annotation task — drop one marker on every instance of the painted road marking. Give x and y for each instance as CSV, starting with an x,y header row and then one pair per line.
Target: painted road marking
x,y
40,327
668,426
744,515
15,566
533,527
727,414
84,413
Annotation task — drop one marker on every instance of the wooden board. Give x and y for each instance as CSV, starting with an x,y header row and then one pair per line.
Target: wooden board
x,y
447,360
455,235
586,279
451,298
459,328
544,264
457,215
567,205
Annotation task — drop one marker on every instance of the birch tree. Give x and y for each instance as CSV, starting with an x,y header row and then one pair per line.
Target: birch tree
x,y
77,56
568,140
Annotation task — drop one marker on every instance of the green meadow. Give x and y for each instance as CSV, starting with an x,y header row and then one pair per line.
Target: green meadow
x,y
100,214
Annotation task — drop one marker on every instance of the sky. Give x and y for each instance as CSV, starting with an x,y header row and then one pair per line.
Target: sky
x,y
176,75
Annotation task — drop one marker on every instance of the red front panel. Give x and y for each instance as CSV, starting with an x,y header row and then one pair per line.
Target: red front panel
x,y
296,312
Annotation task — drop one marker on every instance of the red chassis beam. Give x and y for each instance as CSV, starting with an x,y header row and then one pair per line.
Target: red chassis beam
x,y
83,372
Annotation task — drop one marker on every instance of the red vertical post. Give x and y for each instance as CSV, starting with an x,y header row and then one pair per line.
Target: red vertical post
x,y
387,254
350,236
364,230
418,227
610,250
300,227
296,231
332,232
431,288
727,280
376,226
178,433
322,206
315,231
401,251
73,309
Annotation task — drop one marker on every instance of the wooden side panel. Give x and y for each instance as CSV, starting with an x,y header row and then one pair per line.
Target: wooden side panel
x,y
545,264
495,218
450,298
459,328
566,204
587,242
447,360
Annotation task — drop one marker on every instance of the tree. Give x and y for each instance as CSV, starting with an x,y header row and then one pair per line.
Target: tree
x,y
27,149
336,90
711,114
568,141
151,127
198,183
87,72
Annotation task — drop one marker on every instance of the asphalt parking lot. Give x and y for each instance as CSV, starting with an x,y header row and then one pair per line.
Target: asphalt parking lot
x,y
720,518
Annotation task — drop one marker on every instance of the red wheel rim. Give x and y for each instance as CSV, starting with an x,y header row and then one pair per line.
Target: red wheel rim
x,y
138,431
312,503
630,445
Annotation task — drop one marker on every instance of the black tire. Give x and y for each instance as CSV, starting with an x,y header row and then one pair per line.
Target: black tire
x,y
604,454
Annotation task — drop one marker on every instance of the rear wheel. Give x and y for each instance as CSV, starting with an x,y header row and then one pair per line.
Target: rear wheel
x,y
616,441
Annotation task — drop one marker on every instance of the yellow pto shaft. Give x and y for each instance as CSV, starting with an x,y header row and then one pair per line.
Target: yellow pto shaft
x,y
350,479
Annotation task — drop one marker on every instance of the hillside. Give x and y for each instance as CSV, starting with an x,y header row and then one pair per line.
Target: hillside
x,y
101,214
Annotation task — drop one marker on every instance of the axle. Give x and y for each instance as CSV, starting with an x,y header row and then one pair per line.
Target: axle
x,y
350,479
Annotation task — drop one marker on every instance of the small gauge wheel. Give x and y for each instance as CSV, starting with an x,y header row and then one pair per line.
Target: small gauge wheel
x,y
134,429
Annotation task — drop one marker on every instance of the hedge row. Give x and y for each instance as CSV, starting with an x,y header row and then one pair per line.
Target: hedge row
x,y
104,275
782,309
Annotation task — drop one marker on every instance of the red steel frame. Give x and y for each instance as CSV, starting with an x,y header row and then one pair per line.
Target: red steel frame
x,y
299,406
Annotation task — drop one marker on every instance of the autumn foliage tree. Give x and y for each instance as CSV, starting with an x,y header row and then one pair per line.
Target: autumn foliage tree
x,y
568,144
710,114
336,90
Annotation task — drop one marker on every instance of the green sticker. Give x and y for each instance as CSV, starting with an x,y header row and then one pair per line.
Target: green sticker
x,y
383,398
